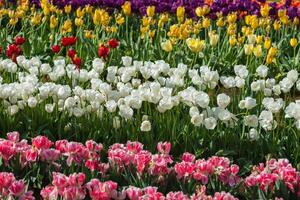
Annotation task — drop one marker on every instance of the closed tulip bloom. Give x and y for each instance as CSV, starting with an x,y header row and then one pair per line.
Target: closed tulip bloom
x,y
150,11
293,42
127,8
53,22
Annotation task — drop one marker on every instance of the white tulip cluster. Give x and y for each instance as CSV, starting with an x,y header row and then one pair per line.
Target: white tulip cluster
x,y
124,90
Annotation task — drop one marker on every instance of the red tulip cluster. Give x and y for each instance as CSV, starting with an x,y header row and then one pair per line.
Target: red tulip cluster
x,y
103,50
66,42
14,50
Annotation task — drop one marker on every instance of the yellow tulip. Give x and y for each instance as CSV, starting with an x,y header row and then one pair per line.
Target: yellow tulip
x,y
80,12
213,38
89,34
127,8
269,59
180,11
251,38
97,17
231,18
120,19
206,23
78,22
201,11
195,45
267,43
13,21
259,39
151,33
241,39
232,41
264,10
285,19
272,51
276,25
248,48
167,46
220,22
281,12
257,51
88,9
150,11
296,21
36,19
294,42
68,9
53,22
67,26
113,29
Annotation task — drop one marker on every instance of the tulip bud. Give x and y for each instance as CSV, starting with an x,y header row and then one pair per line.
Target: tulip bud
x,y
293,42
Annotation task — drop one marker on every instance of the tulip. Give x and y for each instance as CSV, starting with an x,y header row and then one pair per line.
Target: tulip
x,y
53,22
293,42
77,61
103,51
55,48
68,41
257,51
213,38
79,22
150,11
17,188
127,8
71,53
68,9
167,46
195,45
19,40
113,43
248,49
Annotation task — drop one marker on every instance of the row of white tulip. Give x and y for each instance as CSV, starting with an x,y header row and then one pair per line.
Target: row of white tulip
x,y
123,89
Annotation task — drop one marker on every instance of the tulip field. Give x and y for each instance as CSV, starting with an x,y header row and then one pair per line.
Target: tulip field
x,y
149,100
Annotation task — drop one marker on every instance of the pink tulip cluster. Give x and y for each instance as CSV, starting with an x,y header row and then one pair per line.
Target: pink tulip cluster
x,y
133,159
42,149
266,175
201,170
10,188
74,187
68,188
133,155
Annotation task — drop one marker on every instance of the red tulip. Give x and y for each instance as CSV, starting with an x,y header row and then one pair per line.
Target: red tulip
x,y
13,51
103,51
113,43
19,40
71,53
77,61
55,48
68,41
0,50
